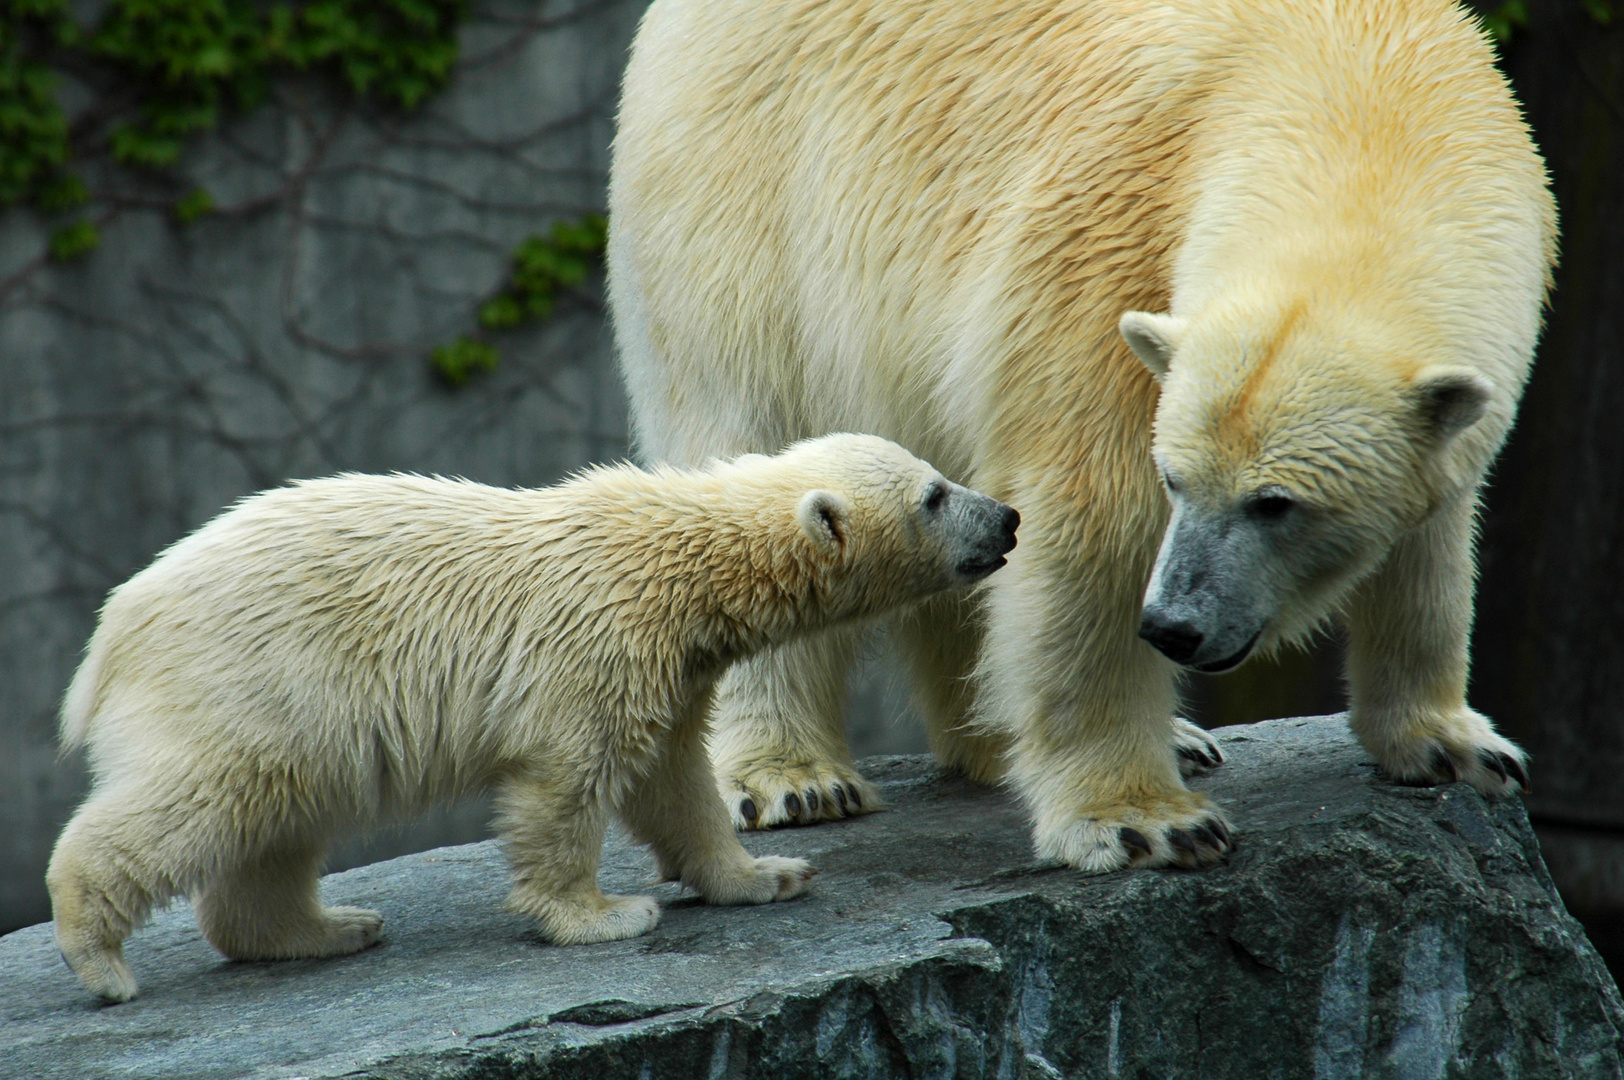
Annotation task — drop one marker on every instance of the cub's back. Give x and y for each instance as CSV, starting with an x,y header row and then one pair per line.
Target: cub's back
x,y
357,616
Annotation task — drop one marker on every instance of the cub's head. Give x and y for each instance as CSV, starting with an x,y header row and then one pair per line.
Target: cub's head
x,y
1296,443
885,527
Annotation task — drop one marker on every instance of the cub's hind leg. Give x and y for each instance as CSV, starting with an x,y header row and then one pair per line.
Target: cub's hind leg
x,y
268,907
552,825
112,864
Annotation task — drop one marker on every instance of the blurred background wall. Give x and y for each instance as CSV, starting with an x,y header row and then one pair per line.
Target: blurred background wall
x,y
176,367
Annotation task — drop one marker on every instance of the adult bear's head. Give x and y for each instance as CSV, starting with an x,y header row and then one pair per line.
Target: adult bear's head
x,y
1299,435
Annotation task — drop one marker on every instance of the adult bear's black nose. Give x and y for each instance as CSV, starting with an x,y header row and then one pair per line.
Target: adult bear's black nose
x,y
1175,639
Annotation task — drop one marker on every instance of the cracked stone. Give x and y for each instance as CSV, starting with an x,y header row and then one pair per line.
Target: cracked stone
x,y
1362,929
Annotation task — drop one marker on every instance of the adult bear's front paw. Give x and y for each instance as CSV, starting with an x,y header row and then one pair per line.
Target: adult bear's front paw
x,y
1444,748
1197,751
1188,833
760,794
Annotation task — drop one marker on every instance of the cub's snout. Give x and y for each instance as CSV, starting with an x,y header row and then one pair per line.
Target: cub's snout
x,y
982,531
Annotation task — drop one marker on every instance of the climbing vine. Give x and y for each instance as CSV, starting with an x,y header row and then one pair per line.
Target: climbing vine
x,y
543,268
165,70
174,67
1504,21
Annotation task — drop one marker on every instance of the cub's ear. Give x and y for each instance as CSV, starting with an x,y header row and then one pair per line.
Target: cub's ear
x,y
1451,399
823,516
1152,339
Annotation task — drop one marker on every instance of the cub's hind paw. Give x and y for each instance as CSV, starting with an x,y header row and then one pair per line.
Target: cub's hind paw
x,y
104,973
1197,751
765,794
1128,836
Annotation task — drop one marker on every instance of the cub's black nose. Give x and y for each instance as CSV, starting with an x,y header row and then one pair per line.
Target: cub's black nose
x,y
1011,522
1178,641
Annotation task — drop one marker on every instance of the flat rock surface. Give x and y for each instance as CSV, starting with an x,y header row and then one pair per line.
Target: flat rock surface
x,y
1361,929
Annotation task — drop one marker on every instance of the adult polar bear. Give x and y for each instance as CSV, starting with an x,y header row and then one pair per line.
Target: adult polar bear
x,y
937,220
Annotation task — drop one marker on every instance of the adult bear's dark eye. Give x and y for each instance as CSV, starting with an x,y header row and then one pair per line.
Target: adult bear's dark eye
x,y
935,498
1270,504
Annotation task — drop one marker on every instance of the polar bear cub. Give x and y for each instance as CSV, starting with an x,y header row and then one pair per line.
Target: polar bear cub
x,y
348,651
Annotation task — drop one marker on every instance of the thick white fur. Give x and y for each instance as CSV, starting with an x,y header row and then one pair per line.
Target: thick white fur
x,y
926,219
347,651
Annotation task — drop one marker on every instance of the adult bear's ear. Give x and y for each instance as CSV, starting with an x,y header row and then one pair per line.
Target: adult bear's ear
x,y
1451,399
1152,338
824,516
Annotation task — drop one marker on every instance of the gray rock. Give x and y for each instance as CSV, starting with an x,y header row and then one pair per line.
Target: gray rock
x,y
1362,929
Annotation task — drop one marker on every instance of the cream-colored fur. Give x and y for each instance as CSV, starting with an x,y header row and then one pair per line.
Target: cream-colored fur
x,y
927,218
347,651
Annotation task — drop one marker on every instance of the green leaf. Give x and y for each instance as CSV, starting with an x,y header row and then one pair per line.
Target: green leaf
x,y
457,362
195,204
72,241
135,146
538,305
1504,21
501,312
61,192
1600,11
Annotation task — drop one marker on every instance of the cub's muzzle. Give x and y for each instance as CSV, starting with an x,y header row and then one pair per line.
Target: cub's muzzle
x,y
989,527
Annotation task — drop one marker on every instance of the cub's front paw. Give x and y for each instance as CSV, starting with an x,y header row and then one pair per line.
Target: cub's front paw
x,y
765,881
1186,834
1196,750
589,919
349,930
762,793
1447,749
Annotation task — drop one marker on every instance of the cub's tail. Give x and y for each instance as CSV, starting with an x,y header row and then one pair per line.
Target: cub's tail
x,y
79,703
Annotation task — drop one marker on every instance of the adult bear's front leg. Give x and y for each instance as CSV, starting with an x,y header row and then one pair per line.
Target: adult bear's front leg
x,y
1408,631
778,741
1090,709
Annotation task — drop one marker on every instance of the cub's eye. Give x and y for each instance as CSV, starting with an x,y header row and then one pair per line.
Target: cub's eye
x,y
1270,504
1170,480
935,498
